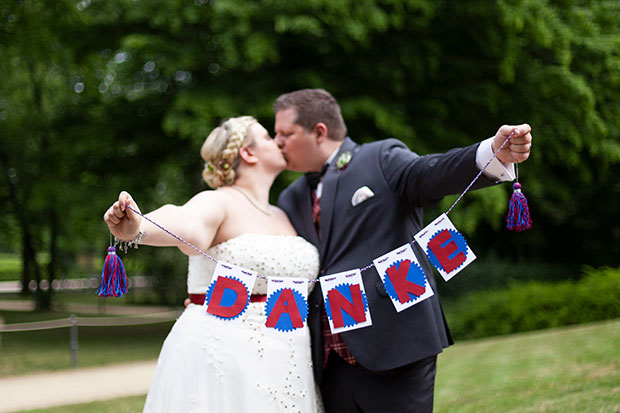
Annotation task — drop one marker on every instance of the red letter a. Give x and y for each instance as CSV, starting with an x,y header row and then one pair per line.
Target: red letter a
x,y
285,304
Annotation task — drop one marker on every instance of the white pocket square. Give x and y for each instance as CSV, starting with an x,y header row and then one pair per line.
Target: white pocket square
x,y
361,195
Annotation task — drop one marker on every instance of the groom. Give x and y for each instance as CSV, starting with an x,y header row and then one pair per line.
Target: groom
x,y
389,366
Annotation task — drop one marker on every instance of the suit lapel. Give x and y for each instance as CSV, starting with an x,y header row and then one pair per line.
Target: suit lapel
x,y
328,197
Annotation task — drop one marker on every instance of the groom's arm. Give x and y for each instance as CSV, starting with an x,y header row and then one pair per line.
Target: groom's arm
x,y
424,180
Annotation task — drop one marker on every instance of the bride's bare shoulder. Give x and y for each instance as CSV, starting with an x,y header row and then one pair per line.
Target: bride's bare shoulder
x,y
209,205
212,197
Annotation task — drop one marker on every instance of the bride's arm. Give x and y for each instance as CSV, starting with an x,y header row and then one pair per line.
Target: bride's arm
x,y
197,222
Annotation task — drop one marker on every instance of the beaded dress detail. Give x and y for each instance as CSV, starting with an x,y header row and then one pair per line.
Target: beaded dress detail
x,y
212,365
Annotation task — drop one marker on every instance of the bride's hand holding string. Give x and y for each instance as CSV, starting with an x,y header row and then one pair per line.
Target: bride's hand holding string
x,y
196,222
123,222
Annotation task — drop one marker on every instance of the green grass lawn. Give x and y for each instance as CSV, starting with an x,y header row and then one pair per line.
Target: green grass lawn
x,y
10,267
122,405
571,369
575,369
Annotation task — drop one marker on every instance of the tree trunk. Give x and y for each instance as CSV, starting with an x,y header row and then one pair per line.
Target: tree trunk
x,y
29,263
44,297
53,264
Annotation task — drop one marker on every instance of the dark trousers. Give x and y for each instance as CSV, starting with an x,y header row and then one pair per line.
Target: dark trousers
x,y
353,389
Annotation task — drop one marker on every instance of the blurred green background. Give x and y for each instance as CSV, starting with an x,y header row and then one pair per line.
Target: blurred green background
x,y
102,96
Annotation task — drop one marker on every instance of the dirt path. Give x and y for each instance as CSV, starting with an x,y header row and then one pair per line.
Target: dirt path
x,y
79,385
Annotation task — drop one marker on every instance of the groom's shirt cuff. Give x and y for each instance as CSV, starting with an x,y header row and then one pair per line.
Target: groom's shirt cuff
x,y
496,170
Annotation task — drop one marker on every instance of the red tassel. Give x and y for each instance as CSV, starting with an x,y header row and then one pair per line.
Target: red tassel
x,y
518,218
113,276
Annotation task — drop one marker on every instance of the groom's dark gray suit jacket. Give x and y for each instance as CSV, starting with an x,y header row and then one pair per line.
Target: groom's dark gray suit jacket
x,y
352,236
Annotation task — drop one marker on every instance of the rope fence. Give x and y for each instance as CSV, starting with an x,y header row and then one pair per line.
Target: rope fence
x,y
73,322
92,322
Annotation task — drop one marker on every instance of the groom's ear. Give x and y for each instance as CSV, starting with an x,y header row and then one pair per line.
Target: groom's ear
x,y
248,155
320,132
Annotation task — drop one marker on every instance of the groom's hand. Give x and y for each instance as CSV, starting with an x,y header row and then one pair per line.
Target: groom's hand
x,y
518,148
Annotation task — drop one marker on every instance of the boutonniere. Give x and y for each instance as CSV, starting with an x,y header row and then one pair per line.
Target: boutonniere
x,y
343,160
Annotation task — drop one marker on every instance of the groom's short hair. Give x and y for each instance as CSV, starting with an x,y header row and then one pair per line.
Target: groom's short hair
x,y
314,106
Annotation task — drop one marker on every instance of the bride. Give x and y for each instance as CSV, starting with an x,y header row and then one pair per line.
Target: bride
x,y
210,364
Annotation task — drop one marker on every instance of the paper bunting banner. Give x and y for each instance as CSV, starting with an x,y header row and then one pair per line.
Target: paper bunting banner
x,y
287,303
403,277
345,300
445,247
344,296
228,294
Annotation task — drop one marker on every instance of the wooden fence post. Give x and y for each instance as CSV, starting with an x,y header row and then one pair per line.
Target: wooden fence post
x,y
73,343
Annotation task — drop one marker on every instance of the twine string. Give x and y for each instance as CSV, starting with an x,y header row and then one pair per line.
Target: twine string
x,y
481,171
362,269
172,234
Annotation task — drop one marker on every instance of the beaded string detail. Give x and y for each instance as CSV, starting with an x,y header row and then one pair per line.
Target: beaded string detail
x,y
481,171
361,269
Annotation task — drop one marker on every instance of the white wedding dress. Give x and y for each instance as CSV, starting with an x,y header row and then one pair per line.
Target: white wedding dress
x,y
208,364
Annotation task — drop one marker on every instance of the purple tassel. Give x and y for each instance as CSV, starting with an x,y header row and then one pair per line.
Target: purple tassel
x,y
518,218
113,276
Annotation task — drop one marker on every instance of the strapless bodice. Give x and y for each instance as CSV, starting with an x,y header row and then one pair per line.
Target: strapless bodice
x,y
269,255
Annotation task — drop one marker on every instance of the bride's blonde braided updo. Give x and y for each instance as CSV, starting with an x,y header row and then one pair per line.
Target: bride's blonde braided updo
x,y
221,150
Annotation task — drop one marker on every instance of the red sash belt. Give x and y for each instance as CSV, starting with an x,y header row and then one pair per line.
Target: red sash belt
x,y
199,299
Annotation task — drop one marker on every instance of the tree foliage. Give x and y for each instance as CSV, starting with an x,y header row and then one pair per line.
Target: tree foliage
x,y
99,96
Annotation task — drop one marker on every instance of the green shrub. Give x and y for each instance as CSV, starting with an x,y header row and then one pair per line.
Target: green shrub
x,y
497,273
536,305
